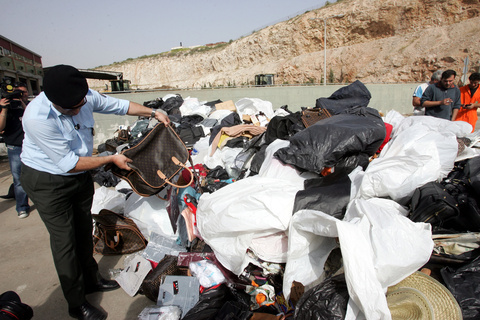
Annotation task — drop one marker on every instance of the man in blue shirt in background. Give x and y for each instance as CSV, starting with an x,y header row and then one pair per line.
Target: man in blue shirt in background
x,y
56,157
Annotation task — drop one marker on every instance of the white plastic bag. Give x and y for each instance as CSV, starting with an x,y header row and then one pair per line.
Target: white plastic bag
x,y
105,198
207,273
253,106
150,214
191,106
200,150
160,313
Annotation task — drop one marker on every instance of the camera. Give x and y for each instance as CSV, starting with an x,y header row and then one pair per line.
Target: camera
x,y
7,91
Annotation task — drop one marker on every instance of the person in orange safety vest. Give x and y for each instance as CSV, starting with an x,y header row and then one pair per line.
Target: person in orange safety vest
x,y
470,97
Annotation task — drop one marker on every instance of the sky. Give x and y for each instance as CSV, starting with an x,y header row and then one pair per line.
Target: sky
x,y
91,33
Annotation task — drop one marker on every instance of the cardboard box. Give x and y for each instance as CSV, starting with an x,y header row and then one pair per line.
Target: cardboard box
x,y
227,105
246,118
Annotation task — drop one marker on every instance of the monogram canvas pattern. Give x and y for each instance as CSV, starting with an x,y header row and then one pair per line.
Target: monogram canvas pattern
x,y
312,116
116,234
154,152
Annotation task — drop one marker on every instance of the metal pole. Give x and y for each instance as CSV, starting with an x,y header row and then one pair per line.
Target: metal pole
x,y
325,44
325,52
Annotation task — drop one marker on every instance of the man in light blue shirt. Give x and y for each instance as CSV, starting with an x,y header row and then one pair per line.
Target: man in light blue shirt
x,y
56,157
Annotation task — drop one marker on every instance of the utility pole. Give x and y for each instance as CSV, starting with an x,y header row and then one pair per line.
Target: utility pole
x,y
325,44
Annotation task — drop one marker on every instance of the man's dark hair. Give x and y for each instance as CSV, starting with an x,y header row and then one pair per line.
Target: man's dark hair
x,y
20,85
448,73
474,77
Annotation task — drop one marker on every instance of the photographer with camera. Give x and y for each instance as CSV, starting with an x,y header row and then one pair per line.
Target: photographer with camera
x,y
12,107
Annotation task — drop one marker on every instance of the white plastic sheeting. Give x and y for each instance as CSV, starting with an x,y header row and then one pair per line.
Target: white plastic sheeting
x,y
422,149
379,246
251,212
458,128
231,217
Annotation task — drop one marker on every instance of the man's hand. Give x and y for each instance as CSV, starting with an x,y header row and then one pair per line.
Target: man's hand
x,y
160,116
446,101
4,102
89,163
121,161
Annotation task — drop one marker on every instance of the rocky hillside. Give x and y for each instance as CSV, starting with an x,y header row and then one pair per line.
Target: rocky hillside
x,y
373,41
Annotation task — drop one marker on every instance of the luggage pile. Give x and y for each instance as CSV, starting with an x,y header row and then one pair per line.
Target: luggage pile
x,y
325,213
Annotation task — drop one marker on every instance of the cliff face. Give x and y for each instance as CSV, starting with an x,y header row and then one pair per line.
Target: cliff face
x,y
372,41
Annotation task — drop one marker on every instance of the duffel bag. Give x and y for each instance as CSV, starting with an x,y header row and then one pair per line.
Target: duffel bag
x,y
433,204
116,234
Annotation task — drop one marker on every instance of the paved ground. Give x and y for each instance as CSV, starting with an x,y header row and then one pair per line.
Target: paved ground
x,y
26,266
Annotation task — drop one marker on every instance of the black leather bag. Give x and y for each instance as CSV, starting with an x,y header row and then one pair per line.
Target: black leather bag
x,y
157,159
433,204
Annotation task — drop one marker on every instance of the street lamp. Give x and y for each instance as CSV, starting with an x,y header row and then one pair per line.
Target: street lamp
x,y
325,44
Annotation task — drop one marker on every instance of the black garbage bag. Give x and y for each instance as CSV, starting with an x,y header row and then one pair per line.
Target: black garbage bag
x,y
154,104
284,127
218,173
104,178
327,142
328,301
464,284
213,103
355,94
190,121
212,300
172,104
329,194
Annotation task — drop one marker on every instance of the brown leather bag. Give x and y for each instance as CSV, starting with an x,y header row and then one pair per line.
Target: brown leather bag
x,y
312,116
157,159
116,234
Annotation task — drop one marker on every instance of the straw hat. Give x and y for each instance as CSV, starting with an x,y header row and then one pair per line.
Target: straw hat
x,y
420,296
409,303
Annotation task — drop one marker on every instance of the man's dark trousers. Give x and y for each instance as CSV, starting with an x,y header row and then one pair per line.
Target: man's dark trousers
x,y
64,204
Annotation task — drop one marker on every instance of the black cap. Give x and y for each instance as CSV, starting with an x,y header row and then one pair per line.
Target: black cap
x,y
65,86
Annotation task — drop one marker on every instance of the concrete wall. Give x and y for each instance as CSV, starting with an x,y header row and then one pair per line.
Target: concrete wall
x,y
385,97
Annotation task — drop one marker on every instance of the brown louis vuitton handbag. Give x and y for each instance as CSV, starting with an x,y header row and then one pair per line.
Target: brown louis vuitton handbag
x,y
312,116
157,159
116,234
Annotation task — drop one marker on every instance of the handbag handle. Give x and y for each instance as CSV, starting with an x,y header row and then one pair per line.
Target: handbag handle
x,y
178,163
112,245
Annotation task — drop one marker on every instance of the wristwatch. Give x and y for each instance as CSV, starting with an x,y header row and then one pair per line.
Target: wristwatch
x,y
153,113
